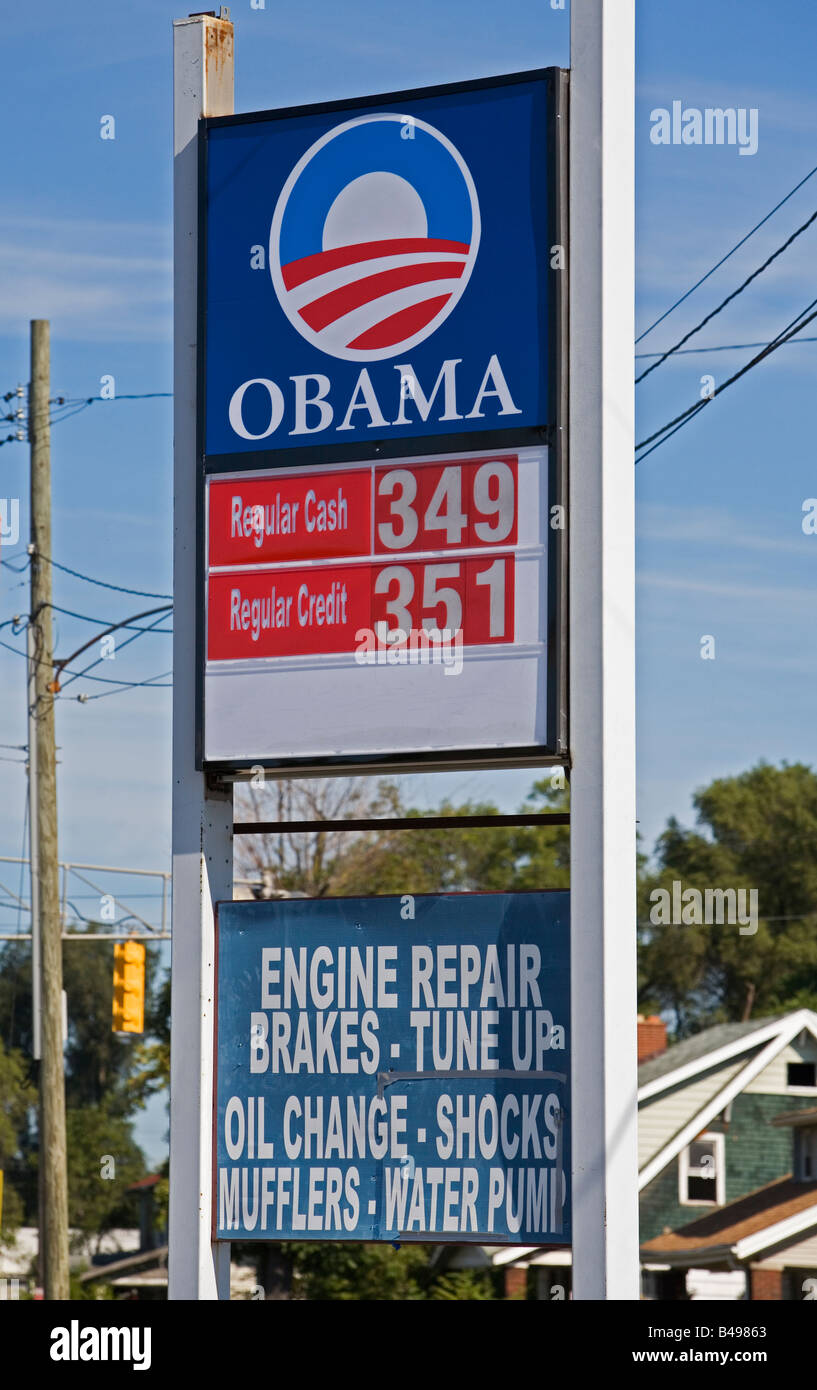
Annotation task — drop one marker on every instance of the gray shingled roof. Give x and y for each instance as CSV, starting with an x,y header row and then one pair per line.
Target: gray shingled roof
x,y
691,1049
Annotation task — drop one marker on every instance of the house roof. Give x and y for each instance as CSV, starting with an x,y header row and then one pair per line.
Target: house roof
x,y
699,1046
753,1045
746,1226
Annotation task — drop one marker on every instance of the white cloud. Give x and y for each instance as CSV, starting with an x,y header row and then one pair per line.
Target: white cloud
x,y
95,280
745,593
709,527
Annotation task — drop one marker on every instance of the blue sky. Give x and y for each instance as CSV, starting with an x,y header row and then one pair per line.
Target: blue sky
x,y
85,240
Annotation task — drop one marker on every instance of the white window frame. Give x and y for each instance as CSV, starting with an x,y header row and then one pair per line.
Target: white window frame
x,y
718,1142
793,1089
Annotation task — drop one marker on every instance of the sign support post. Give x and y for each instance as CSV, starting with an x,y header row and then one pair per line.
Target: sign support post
x,y
602,623
272,339
202,819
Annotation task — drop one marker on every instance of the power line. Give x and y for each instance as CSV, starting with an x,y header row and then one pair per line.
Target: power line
x,y
721,347
89,400
735,248
105,622
729,298
102,680
66,414
680,420
68,406
673,426
76,674
118,588
126,685
705,401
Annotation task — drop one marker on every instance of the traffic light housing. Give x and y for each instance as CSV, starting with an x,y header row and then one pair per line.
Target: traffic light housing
x,y
128,987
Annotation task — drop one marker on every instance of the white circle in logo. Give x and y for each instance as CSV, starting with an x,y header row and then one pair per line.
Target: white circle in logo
x,y
380,284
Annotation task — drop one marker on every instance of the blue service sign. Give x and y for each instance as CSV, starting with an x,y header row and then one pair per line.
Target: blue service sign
x,y
379,269
394,1067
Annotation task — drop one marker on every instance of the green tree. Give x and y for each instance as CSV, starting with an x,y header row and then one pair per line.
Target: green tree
x,y
103,1161
352,1272
358,1273
15,1100
756,831
459,1285
99,1067
476,859
98,1062
151,1056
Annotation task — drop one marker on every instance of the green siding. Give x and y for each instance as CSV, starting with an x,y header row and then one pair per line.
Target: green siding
x,y
659,1205
756,1153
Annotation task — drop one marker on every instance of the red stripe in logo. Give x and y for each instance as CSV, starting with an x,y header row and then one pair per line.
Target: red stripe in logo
x,y
398,327
307,267
334,305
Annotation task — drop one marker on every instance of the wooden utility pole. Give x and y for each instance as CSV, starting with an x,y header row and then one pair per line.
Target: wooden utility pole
x,y
54,1236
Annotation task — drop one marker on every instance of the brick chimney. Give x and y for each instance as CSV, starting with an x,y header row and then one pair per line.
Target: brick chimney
x,y
652,1037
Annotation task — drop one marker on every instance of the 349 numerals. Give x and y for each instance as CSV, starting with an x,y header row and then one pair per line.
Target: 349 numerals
x,y
438,506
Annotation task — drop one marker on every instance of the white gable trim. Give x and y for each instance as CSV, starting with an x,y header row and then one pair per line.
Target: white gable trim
x,y
784,1031
775,1235
724,1054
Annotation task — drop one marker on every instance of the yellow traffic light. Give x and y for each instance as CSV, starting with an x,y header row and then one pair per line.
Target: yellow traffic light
x,y
128,987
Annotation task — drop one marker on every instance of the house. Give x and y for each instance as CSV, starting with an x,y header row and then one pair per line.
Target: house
x,y
706,1107
710,1133
766,1241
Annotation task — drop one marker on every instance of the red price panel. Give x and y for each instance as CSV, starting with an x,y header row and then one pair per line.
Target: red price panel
x,y
296,612
310,516
446,506
474,597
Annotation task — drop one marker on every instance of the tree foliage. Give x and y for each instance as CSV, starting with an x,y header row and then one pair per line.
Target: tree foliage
x,y
375,862
756,831
103,1161
16,1098
392,1272
100,1067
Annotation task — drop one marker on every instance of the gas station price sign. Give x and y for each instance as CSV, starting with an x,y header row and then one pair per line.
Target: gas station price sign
x,y
394,513
349,596
382,444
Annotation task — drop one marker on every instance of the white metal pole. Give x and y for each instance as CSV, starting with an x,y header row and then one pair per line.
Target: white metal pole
x,y
202,820
33,845
602,653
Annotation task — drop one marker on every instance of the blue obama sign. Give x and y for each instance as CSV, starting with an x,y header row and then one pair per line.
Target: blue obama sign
x,y
394,1067
381,270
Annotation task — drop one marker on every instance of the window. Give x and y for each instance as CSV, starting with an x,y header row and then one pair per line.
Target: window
x,y
801,1074
701,1172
